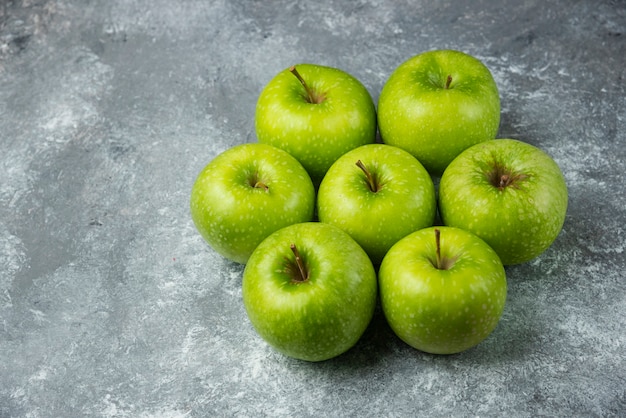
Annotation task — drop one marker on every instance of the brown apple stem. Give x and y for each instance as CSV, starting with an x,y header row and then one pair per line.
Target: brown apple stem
x,y
255,182
442,263
311,95
502,177
371,181
304,276
448,81
438,244
505,179
261,185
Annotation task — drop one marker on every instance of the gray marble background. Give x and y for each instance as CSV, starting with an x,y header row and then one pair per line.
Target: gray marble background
x,y
111,305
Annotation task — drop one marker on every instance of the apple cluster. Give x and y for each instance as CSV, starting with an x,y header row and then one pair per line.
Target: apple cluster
x,y
328,217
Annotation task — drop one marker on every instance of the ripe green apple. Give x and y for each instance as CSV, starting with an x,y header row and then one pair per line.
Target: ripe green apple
x,y
509,193
442,289
315,113
246,193
438,103
310,291
378,194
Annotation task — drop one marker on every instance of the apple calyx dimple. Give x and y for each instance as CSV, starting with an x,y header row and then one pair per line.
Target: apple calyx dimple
x,y
299,273
372,181
311,95
441,263
502,177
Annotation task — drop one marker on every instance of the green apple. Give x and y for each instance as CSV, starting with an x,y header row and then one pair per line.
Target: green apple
x,y
442,289
378,194
509,193
315,113
438,103
246,193
310,291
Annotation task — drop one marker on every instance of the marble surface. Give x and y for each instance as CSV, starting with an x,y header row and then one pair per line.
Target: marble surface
x,y
111,305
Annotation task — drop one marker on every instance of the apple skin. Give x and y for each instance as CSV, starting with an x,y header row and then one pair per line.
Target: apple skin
x,y
316,134
322,317
416,112
232,215
519,221
404,203
442,311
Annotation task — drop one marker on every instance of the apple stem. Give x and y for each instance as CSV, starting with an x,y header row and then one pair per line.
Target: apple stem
x,y
502,177
311,96
442,263
438,244
448,81
257,183
304,276
371,181
505,179
261,185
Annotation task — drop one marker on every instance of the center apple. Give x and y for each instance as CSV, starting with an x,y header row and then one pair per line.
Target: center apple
x,y
378,194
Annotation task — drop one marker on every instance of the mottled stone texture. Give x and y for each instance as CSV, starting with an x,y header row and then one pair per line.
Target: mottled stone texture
x,y
112,305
